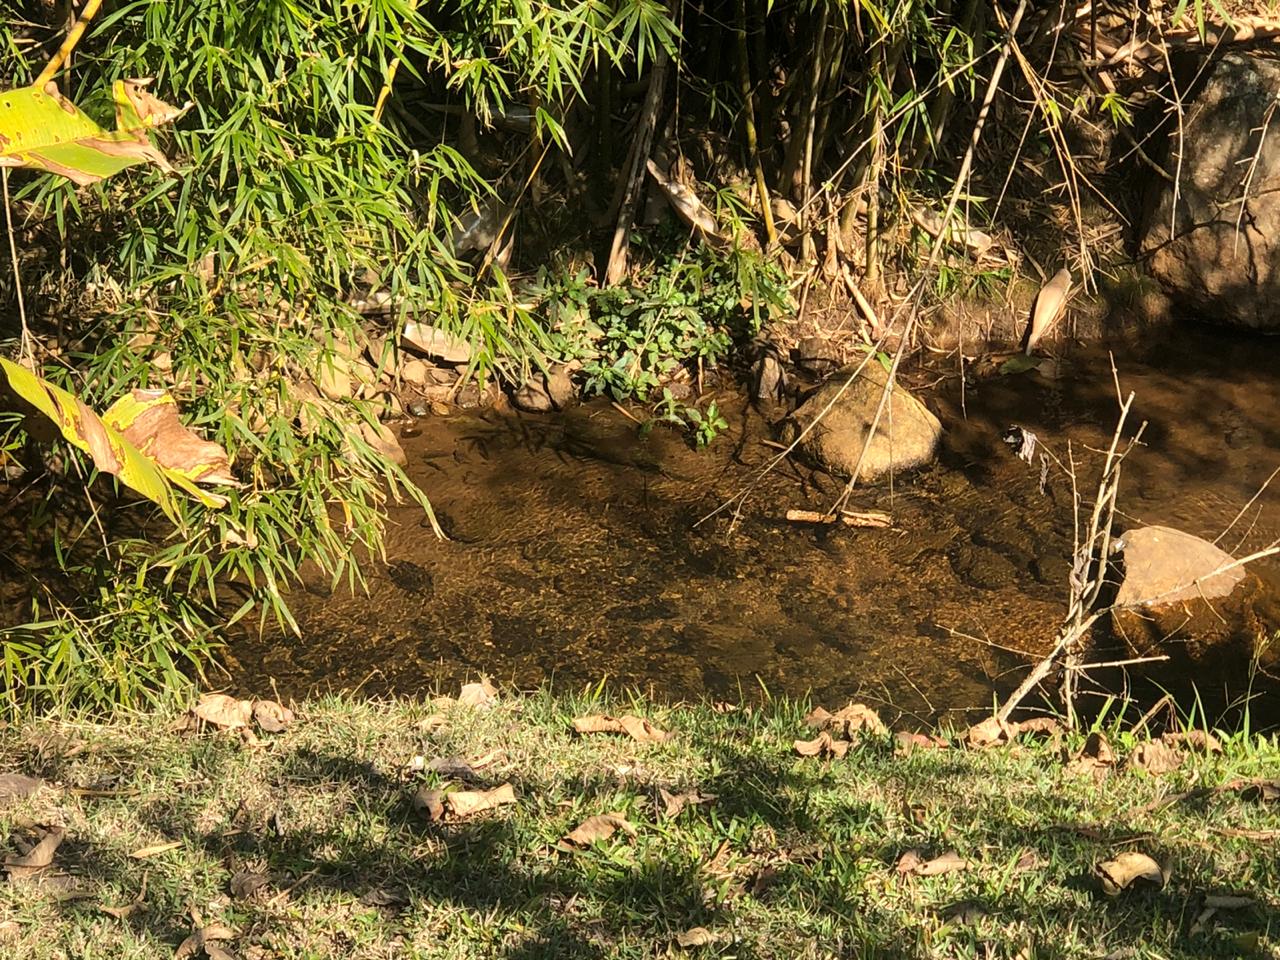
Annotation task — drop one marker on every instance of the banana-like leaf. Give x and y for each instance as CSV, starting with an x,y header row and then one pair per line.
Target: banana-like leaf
x,y
144,419
42,129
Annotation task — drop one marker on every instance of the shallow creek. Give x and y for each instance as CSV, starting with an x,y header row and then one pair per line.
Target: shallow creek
x,y
574,554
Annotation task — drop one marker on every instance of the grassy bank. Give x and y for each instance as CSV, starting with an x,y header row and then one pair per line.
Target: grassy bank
x,y
309,843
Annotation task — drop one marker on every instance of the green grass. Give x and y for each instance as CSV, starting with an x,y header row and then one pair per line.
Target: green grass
x,y
806,848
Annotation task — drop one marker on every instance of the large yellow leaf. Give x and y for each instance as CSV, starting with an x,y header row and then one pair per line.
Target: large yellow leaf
x,y
42,129
167,456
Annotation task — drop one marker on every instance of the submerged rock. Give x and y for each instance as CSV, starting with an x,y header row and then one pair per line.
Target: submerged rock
x,y
906,437
1177,599
1220,260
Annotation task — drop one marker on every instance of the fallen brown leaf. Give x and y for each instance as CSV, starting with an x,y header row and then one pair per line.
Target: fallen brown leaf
x,y
697,937
989,733
247,882
223,711
14,785
1128,869
1196,739
673,803
461,803
1155,757
1047,726
129,909
38,857
904,742
594,829
822,746
949,862
271,716
203,939
142,853
481,696
635,727
853,720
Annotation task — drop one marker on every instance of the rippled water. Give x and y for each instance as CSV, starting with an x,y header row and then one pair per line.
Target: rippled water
x,y
574,554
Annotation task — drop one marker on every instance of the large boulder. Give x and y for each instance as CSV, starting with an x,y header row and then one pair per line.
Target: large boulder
x,y
1221,261
1182,597
906,436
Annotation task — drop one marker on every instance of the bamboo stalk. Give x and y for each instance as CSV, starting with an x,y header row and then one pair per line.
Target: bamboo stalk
x,y
749,124
69,44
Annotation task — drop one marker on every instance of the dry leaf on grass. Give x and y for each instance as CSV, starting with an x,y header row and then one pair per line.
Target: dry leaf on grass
x,y
1262,791
849,723
481,696
1155,757
1029,860
1195,739
437,804
635,727
949,862
1045,726
205,939
671,804
822,746
9,930
37,858
246,883
129,909
1130,869
989,733
912,863
142,853
271,716
904,742
697,937
594,829
14,785
223,711
1096,759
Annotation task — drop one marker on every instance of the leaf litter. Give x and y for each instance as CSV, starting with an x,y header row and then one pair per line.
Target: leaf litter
x,y
637,728
594,830
439,804
1131,869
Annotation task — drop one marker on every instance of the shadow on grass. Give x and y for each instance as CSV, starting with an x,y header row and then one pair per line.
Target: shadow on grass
x,y
807,867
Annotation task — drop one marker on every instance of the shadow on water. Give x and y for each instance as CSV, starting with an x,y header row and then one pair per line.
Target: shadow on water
x,y
574,553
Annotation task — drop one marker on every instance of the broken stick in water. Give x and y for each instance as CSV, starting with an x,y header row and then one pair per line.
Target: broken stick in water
x,y
850,518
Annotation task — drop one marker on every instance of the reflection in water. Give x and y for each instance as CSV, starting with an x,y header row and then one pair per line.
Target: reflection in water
x,y
574,554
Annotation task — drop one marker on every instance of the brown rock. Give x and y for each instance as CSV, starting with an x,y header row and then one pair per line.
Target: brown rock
x,y
1177,599
906,436
544,392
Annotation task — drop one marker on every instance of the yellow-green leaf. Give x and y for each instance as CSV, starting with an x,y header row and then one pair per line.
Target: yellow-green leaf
x,y
112,450
42,129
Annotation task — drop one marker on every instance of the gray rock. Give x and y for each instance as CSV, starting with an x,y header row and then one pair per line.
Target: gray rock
x,y
1221,261
770,379
906,437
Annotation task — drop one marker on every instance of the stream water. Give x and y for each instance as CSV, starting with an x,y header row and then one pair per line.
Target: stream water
x,y
575,552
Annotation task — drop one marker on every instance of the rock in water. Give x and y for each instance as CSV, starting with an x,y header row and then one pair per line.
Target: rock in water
x,y
1177,600
906,437
1220,259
